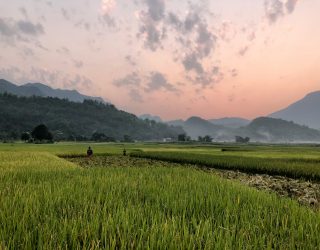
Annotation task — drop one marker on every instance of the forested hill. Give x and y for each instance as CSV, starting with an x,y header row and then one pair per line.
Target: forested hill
x,y
67,119
277,130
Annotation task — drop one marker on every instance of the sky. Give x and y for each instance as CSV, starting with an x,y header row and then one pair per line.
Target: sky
x,y
172,58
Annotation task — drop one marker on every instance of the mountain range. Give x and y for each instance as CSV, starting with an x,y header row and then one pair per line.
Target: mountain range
x,y
261,129
268,129
304,112
298,122
39,89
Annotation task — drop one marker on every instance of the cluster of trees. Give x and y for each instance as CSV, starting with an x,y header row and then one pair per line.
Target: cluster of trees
x,y
42,134
240,139
39,134
206,138
209,139
77,121
101,137
185,138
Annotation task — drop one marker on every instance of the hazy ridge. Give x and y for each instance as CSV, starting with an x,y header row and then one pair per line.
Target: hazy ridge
x,y
304,112
39,89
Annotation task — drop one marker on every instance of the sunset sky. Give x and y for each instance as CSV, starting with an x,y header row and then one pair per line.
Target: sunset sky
x,y
172,58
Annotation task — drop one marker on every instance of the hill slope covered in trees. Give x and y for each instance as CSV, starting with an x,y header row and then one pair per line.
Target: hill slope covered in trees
x,y
278,130
67,120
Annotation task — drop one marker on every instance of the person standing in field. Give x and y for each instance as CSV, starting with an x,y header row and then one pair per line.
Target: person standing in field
x,y
89,152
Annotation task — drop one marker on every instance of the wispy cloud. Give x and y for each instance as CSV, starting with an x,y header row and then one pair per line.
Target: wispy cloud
x,y
131,80
158,81
16,28
276,9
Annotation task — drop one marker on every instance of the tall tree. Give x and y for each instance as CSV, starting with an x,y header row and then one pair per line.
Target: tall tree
x,y
25,136
41,133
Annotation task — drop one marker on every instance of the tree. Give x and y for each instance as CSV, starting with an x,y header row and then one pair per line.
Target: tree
x,y
41,133
208,138
182,137
25,136
127,138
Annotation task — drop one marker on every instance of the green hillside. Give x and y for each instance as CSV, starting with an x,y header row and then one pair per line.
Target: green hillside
x,y
70,120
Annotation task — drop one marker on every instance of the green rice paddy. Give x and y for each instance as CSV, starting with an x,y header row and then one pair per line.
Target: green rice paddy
x,y
115,202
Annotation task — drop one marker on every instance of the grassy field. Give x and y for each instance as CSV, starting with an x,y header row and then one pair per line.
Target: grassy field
x,y
122,202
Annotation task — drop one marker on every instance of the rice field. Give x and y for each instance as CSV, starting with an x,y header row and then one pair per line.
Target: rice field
x,y
290,167
115,202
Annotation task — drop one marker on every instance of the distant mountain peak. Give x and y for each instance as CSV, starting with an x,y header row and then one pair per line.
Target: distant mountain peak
x,y
37,84
304,112
40,89
196,119
313,94
4,81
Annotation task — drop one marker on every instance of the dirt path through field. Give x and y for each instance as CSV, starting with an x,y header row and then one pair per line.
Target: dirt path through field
x,y
306,192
